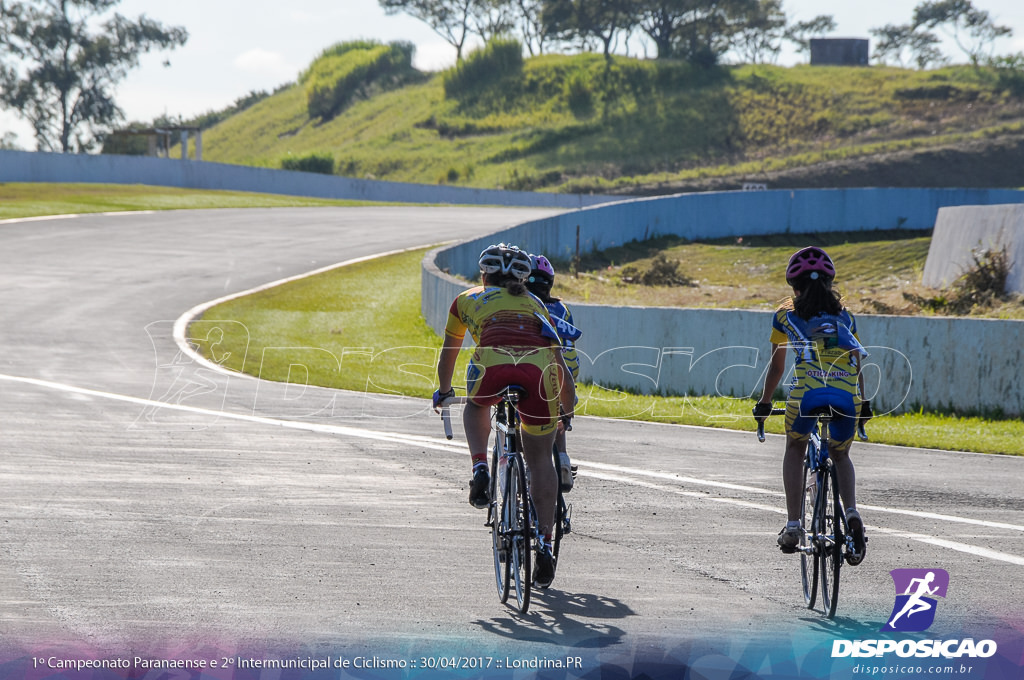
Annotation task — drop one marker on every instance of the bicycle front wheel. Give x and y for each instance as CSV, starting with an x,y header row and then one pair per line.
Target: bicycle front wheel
x,y
562,522
832,540
808,558
520,536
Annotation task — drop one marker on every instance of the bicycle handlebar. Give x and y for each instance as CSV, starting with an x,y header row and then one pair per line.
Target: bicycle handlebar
x,y
861,432
446,416
760,423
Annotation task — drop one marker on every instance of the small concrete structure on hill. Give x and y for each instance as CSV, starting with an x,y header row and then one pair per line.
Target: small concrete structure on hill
x,y
962,231
839,52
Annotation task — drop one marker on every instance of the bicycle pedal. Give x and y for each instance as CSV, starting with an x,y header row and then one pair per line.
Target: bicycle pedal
x,y
574,469
789,551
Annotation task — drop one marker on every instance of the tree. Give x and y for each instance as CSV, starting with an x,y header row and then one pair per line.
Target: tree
x,y
493,18
711,28
892,40
759,41
600,20
660,23
58,67
972,29
531,24
697,30
450,19
800,33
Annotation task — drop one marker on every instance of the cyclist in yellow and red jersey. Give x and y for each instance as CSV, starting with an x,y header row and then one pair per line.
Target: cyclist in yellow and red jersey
x,y
826,373
516,345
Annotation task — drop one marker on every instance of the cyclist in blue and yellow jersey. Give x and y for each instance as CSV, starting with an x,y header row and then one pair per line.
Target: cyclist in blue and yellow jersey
x,y
542,277
826,372
516,345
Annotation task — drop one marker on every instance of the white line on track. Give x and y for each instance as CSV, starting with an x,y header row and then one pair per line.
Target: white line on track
x,y
614,473
48,218
181,325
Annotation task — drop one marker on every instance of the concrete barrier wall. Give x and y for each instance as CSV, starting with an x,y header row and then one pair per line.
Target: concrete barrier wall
x,y
31,166
960,231
967,364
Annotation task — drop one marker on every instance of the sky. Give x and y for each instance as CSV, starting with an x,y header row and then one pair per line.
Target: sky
x,y
236,48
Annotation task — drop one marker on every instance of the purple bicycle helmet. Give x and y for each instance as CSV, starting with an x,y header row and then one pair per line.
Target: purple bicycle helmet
x,y
810,261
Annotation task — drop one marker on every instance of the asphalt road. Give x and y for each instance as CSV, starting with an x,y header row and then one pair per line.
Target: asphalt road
x,y
150,505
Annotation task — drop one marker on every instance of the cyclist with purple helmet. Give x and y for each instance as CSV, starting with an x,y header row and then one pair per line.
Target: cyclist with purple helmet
x,y
826,372
542,277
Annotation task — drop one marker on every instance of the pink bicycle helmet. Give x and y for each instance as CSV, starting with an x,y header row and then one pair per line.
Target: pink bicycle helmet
x,y
810,261
542,272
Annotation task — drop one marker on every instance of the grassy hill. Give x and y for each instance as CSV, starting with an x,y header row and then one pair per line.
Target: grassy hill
x,y
574,123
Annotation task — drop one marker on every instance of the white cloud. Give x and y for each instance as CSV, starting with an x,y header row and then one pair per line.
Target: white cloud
x,y
434,56
263,62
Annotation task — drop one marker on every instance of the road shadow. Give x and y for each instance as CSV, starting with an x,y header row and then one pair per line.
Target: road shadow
x,y
562,619
842,626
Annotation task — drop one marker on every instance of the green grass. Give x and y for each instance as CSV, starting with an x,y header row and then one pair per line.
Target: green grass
x,y
348,337
565,123
31,199
748,273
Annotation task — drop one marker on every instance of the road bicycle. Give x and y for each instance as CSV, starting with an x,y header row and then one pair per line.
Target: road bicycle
x,y
511,515
825,542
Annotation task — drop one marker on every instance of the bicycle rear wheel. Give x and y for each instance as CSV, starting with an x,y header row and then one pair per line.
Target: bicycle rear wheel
x,y
809,560
499,530
832,540
520,536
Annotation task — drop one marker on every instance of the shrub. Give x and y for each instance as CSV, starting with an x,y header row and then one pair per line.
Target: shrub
x,y
1010,72
350,70
661,272
981,286
319,162
484,68
986,280
579,96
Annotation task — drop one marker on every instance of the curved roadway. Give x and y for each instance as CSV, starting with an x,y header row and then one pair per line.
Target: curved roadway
x,y
149,505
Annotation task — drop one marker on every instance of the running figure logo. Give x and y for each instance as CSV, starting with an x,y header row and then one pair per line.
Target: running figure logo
x,y
916,590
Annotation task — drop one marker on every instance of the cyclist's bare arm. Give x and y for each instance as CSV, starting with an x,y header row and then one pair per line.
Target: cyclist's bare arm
x,y
776,369
446,360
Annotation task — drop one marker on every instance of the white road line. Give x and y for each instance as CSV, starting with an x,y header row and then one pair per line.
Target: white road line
x,y
181,324
47,218
923,538
427,442
443,445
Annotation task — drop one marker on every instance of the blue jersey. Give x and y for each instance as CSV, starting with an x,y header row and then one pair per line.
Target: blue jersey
x,y
568,334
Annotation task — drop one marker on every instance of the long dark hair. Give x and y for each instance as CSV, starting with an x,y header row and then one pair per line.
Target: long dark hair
x,y
816,297
541,288
506,281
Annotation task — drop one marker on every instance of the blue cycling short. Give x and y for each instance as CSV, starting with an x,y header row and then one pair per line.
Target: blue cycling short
x,y
800,422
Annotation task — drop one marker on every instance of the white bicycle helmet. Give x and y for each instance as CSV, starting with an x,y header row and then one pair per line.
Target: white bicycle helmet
x,y
506,259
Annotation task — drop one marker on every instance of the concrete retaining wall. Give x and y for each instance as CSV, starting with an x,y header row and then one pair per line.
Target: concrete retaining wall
x,y
961,231
31,166
930,362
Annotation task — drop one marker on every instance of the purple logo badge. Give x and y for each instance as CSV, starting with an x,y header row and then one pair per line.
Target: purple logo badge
x,y
916,590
